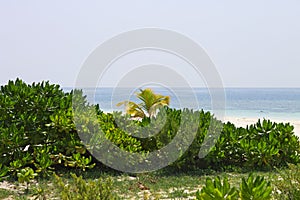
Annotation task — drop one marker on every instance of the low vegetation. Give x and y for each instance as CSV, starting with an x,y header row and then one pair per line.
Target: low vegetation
x,y
39,140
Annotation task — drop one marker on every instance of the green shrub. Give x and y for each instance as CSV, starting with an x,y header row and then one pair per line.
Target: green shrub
x,y
270,144
3,171
206,125
216,190
227,150
264,145
36,128
80,189
111,125
255,188
25,175
159,131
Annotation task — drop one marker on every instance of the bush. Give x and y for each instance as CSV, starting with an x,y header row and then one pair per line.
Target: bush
x,y
78,188
36,128
191,126
269,144
215,189
255,188
37,131
110,123
264,145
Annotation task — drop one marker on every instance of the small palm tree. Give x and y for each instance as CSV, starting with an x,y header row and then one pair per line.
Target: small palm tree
x,y
150,103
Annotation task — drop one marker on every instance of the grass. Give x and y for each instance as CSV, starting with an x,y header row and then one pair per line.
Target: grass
x,y
158,185
4,193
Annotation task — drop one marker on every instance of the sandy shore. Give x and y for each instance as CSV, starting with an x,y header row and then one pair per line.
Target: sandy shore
x,y
243,122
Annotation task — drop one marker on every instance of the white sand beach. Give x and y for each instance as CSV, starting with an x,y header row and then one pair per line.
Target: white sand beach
x,y
244,121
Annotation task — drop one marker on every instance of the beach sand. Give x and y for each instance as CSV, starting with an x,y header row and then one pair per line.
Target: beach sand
x,y
244,121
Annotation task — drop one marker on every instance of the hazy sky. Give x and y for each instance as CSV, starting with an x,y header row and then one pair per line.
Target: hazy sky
x,y
252,43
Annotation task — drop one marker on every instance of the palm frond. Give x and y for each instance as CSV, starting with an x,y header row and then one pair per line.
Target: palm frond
x,y
133,109
150,103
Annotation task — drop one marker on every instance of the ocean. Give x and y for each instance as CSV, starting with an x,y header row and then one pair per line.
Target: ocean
x,y
275,103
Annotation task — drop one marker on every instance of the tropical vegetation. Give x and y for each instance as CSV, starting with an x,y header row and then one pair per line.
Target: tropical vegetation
x,y
149,105
39,139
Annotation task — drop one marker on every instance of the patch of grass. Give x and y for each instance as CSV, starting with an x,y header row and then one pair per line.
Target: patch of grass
x,y
287,183
160,184
180,193
5,193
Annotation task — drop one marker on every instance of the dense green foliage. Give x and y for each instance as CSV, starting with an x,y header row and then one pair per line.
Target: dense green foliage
x,y
263,145
36,128
215,189
37,132
254,188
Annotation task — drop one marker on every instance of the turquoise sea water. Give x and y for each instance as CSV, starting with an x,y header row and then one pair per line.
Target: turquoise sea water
x,y
281,103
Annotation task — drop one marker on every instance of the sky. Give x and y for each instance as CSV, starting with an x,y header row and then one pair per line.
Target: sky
x,y
252,43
